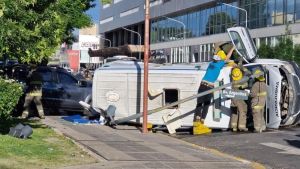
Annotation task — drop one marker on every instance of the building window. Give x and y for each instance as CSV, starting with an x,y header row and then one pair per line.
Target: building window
x,y
106,20
117,1
129,12
297,18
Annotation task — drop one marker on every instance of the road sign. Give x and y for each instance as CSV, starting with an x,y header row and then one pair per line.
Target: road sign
x,y
236,94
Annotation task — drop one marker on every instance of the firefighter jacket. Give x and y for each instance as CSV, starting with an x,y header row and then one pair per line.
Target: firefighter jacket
x,y
34,84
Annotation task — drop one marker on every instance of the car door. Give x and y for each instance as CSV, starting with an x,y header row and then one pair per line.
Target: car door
x,y
70,92
243,43
49,98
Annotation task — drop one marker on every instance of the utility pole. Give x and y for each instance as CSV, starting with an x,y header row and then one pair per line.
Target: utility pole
x,y
146,55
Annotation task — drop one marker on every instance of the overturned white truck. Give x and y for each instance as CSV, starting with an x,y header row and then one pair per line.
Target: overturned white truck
x,y
120,83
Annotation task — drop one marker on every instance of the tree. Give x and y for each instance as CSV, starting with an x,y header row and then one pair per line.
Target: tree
x,y
284,50
297,53
32,30
265,51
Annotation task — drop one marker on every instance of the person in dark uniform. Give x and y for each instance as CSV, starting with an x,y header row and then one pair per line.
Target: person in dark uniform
x,y
34,93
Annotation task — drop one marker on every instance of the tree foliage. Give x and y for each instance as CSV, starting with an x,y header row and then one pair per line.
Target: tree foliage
x,y
31,30
297,53
105,2
284,49
265,51
10,92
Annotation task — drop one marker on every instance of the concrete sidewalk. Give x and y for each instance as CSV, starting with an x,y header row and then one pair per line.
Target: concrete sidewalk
x,y
127,148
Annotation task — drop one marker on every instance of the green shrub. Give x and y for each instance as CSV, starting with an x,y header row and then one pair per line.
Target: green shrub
x,y
10,93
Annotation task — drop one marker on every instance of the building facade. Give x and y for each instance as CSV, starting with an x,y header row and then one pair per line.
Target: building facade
x,y
89,38
184,30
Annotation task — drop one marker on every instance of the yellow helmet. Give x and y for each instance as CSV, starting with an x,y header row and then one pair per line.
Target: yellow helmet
x,y
236,74
260,78
222,54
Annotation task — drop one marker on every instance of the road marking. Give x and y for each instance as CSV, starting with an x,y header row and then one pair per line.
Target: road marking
x,y
286,149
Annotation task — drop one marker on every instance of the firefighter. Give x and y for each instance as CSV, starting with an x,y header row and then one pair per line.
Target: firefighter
x,y
239,107
258,100
34,93
211,75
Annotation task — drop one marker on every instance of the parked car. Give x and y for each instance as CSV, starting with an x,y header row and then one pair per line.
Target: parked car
x,y
62,91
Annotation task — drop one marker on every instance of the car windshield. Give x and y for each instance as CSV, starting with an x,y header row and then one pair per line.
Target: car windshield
x,y
238,44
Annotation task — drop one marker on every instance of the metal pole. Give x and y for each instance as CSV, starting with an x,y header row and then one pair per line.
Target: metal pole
x,y
239,9
140,40
184,36
146,55
106,40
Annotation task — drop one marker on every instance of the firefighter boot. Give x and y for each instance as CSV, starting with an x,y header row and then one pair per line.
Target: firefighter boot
x,y
25,114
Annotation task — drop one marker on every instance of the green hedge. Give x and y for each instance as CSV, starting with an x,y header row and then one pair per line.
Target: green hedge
x,y
10,93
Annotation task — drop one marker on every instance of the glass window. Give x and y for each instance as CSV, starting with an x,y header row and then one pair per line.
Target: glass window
x,y
279,7
262,10
297,11
202,22
163,30
159,31
298,16
297,5
271,11
234,13
279,20
168,30
45,75
290,5
238,43
66,79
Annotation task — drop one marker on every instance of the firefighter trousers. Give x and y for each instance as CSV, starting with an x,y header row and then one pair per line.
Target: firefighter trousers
x,y
203,102
258,107
239,115
38,103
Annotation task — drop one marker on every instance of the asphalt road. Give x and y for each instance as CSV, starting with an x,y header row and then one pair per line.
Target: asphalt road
x,y
279,149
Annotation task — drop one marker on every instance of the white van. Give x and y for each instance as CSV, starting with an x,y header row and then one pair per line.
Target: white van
x,y
120,83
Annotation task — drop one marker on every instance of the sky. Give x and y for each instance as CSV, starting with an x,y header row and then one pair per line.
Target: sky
x,y
94,12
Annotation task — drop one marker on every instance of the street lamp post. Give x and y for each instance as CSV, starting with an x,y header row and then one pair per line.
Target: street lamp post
x,y
244,10
184,33
140,39
106,40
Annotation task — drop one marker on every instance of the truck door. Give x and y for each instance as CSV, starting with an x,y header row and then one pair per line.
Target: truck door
x,y
243,43
273,111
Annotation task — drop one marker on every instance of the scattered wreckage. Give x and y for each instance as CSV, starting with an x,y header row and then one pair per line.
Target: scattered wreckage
x,y
118,84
